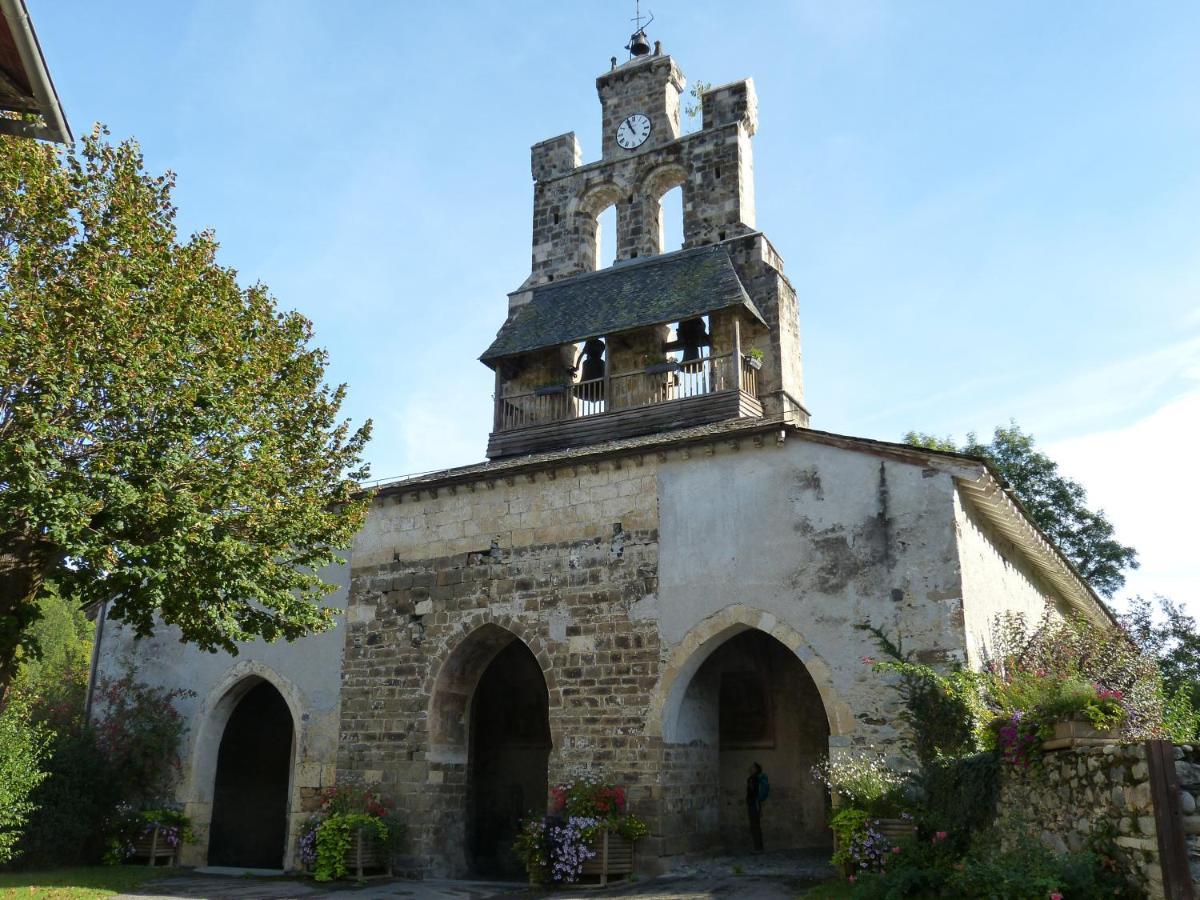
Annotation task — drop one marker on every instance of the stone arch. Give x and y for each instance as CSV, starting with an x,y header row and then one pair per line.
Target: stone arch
x,y
651,188
451,688
699,643
585,212
463,792
211,719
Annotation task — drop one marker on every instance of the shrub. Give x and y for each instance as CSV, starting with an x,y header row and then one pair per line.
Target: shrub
x,y
944,710
23,747
1181,719
139,731
1073,651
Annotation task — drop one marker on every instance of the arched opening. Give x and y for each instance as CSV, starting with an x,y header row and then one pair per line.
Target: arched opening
x,y
751,700
509,747
606,237
252,783
670,220
596,224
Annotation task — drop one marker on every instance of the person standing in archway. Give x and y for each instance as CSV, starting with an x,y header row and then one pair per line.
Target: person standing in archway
x,y
757,788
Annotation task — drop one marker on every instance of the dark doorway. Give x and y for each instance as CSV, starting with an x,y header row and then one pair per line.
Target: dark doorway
x,y
509,749
250,797
753,701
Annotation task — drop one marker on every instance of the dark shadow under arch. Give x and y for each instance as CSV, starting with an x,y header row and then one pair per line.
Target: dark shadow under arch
x,y
750,700
509,748
253,779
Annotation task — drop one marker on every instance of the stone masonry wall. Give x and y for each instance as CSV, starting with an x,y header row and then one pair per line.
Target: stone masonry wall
x,y
558,564
1102,790
567,555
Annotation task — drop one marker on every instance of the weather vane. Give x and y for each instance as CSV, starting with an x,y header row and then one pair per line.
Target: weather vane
x,y
638,44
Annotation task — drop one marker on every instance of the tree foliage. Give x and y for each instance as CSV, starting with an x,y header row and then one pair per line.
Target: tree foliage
x,y
167,439
1055,503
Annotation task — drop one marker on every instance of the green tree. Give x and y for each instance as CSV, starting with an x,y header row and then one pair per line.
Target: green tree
x,y
167,439
1055,503
23,746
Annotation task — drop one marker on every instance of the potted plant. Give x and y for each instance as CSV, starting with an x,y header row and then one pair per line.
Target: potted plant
x,y
150,834
588,833
754,359
354,832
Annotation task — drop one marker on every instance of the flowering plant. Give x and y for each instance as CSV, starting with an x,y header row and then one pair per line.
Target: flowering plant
x,y
555,847
860,847
326,836
174,828
863,780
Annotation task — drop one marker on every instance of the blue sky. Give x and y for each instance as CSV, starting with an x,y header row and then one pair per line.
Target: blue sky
x,y
989,211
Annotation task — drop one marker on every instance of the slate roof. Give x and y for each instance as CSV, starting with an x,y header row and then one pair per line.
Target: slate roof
x,y
666,288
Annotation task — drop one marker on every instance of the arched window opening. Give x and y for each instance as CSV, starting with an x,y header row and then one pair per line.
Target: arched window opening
x,y
670,220
606,237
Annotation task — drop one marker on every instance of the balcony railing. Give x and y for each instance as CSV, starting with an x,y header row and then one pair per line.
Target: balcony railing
x,y
628,390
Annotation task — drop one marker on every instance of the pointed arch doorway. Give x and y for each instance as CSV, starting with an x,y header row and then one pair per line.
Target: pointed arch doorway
x,y
508,750
253,779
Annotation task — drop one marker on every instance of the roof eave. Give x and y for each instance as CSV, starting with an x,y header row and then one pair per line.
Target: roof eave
x,y
55,127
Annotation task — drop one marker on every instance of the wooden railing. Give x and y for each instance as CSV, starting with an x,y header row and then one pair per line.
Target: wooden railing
x,y
627,390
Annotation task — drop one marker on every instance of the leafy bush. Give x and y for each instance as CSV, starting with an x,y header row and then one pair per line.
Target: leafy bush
x,y
933,868
1074,651
139,731
23,747
1181,719
959,797
943,709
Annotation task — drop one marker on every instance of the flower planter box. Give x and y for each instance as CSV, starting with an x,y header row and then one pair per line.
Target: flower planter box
x,y
895,829
614,858
153,847
753,362
1079,733
366,854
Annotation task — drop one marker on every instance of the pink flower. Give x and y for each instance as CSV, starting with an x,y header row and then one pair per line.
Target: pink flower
x,y
852,879
940,836
895,849
869,660
1055,895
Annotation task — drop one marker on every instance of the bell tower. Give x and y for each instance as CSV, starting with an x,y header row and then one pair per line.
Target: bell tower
x,y
672,339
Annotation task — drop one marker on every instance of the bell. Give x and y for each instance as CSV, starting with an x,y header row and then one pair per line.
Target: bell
x,y
639,44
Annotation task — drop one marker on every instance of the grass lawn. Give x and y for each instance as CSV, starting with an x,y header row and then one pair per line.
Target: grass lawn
x,y
82,883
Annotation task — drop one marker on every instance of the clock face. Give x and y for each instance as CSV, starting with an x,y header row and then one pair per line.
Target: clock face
x,y
633,131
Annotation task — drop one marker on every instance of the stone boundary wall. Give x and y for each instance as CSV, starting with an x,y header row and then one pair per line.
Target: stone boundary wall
x,y
1086,791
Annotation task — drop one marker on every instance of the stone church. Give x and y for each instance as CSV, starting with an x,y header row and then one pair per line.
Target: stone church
x,y
656,575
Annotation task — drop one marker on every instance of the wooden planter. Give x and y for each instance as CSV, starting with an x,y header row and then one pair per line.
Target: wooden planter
x,y
895,829
367,854
153,847
614,857
1079,733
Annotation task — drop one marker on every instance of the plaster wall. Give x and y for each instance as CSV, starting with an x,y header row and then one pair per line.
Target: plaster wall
x,y
306,673
995,577
821,539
